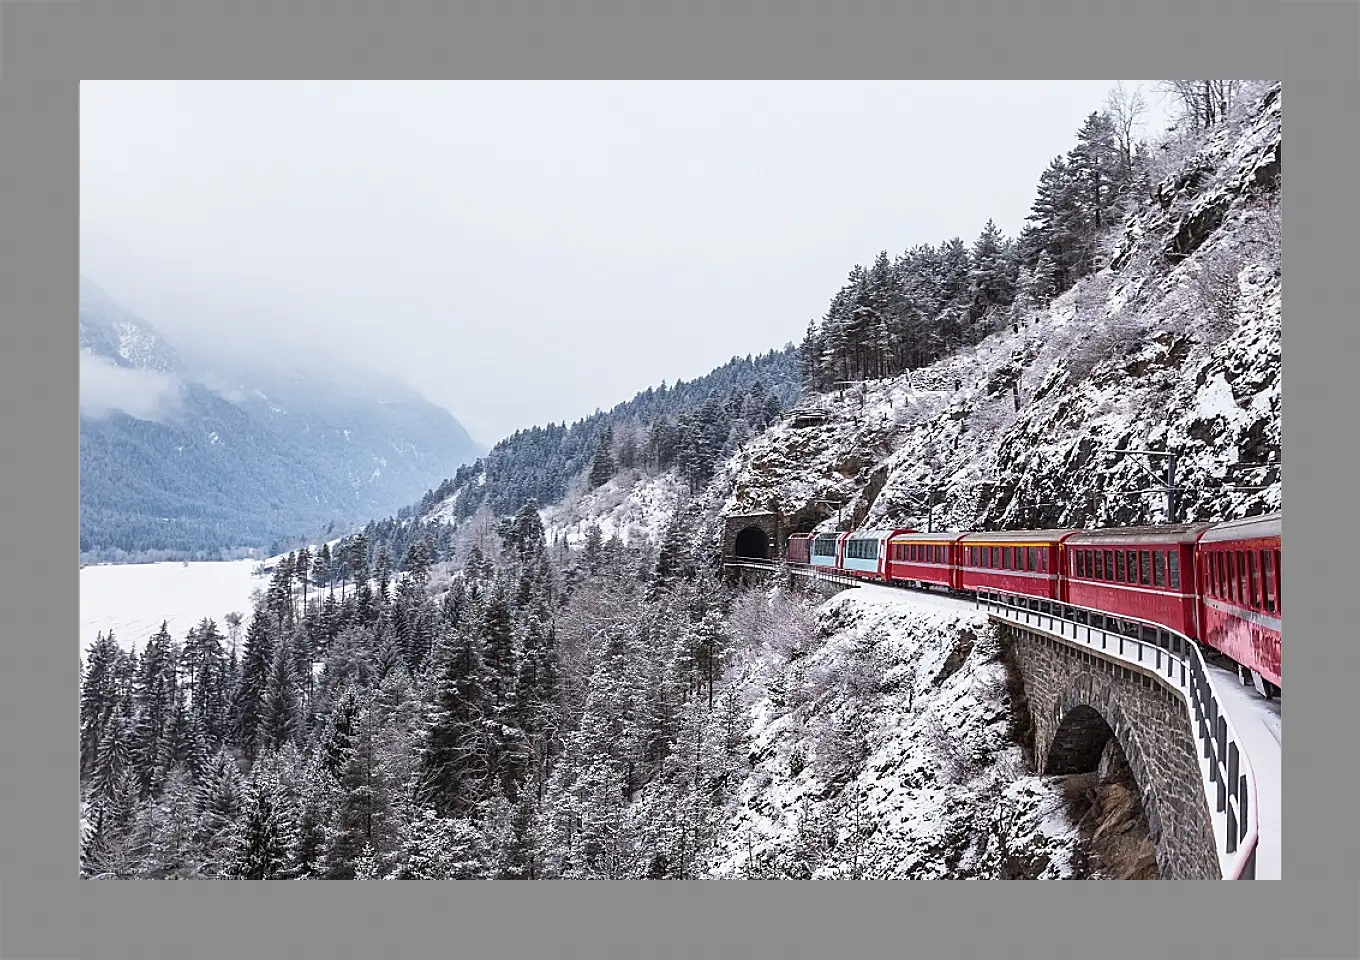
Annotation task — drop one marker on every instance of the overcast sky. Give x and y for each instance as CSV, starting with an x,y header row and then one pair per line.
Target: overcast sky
x,y
527,252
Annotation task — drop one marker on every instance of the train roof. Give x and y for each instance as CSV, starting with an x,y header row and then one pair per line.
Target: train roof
x,y
1165,533
875,534
1018,536
1249,528
917,536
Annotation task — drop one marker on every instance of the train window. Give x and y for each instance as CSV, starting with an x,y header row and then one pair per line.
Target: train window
x,y
1131,567
1091,564
1108,566
1221,589
996,562
1044,561
1254,580
1243,587
1159,568
1145,568
1006,558
1032,559
1280,580
1231,571
1120,566
1174,570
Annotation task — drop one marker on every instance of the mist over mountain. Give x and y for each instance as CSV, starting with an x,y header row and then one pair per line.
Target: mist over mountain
x,y
186,450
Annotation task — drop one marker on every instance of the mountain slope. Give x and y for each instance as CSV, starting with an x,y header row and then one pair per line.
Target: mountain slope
x,y
192,455
1173,346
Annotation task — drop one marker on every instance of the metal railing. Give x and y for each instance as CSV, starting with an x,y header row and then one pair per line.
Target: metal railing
x,y
1174,660
1171,658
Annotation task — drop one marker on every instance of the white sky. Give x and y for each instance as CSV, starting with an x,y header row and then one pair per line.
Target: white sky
x,y
526,252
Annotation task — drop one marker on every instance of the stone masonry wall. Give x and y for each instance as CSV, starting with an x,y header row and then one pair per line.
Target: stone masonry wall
x,y
1149,720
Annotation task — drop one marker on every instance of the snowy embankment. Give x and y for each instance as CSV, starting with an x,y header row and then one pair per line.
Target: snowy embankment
x,y
133,599
884,746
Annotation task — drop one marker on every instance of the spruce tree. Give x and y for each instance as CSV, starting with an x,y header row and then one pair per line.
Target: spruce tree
x,y
602,467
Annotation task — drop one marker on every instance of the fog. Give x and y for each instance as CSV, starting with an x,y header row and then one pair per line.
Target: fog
x,y
527,252
144,394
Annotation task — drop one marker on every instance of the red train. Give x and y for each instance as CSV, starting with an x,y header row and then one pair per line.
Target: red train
x,y
1217,583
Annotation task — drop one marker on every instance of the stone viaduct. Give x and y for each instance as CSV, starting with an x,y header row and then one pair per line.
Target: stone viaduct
x,y
1080,699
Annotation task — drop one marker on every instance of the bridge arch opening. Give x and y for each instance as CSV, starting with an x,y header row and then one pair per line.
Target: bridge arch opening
x,y
1104,796
752,544
1079,742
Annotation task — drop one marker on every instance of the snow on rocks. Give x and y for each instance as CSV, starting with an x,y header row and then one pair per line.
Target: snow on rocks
x,y
1011,431
885,748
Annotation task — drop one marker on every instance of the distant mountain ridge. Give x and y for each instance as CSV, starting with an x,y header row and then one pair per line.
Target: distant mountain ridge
x,y
192,455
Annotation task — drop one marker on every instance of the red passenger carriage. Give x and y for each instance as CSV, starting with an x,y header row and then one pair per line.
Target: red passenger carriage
x,y
1024,562
1145,573
1239,567
930,559
800,549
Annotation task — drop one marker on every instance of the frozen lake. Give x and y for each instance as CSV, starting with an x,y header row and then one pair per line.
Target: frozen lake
x,y
133,599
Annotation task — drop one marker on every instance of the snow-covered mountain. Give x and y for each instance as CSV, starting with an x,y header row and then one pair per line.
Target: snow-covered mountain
x,y
187,453
1173,346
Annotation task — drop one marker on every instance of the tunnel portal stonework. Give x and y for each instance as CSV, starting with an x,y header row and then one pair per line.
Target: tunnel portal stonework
x,y
738,532
1079,700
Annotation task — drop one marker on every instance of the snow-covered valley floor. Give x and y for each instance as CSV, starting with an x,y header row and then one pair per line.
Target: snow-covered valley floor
x,y
133,599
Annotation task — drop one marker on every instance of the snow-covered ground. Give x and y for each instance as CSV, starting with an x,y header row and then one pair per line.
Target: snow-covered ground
x,y
632,505
133,599
883,748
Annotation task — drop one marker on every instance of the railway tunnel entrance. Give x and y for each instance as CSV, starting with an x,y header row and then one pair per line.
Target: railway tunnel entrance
x,y
752,544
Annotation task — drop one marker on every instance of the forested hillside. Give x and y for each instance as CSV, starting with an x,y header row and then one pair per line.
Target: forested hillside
x,y
687,426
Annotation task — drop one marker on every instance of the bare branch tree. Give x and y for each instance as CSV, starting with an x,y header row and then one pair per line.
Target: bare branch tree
x,y
1204,103
1126,107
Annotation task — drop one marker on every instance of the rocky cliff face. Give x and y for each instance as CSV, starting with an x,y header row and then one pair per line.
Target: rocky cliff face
x,y
1174,346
